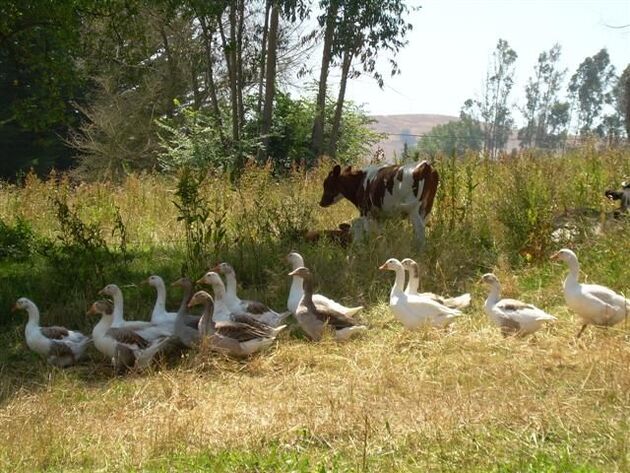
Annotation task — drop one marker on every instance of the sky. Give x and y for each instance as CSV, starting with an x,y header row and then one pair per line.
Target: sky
x,y
452,41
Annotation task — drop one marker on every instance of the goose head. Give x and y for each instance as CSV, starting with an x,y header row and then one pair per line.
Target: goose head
x,y
109,290
391,264
301,272
411,266
184,282
200,297
223,268
565,255
154,281
22,304
213,279
101,307
295,260
490,279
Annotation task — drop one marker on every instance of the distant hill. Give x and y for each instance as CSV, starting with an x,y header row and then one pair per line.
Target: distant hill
x,y
400,128
405,128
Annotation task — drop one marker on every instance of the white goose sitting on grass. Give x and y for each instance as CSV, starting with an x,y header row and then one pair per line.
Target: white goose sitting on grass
x,y
124,346
256,309
513,317
414,311
314,320
60,346
236,339
459,302
297,291
594,304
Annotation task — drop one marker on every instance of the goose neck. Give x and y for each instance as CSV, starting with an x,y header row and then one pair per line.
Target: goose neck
x,y
230,279
118,308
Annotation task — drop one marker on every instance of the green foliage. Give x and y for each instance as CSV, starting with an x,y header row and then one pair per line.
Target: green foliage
x,y
452,139
17,241
204,223
191,141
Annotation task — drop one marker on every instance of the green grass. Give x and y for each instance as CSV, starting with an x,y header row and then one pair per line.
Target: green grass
x,y
463,400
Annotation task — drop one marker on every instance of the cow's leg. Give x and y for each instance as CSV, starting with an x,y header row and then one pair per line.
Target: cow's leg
x,y
359,228
418,227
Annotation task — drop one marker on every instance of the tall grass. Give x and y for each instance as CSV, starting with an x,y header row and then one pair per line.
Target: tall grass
x,y
392,400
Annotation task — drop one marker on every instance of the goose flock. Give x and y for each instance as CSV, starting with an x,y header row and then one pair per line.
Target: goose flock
x,y
239,327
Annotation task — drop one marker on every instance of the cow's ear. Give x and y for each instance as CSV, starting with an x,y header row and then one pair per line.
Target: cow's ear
x,y
336,170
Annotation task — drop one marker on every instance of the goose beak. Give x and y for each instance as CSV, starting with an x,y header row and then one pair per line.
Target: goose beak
x,y
293,273
91,311
102,292
14,308
145,281
216,269
201,280
555,256
383,267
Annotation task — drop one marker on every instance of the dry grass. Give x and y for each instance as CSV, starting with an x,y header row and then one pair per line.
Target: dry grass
x,y
463,400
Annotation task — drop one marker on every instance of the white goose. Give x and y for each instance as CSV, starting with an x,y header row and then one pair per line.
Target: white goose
x,y
222,313
124,346
118,320
160,315
297,292
459,302
594,304
60,346
256,309
513,317
414,311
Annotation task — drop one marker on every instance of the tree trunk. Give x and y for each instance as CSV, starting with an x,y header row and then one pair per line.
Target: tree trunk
x,y
263,55
334,134
212,90
239,62
317,137
270,82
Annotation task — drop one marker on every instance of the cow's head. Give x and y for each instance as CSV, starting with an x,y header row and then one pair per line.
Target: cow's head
x,y
332,187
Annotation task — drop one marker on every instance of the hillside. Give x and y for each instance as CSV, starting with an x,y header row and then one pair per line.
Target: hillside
x,y
406,128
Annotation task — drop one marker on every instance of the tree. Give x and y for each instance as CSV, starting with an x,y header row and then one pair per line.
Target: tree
x,y
327,20
492,110
366,28
542,101
590,89
623,98
452,138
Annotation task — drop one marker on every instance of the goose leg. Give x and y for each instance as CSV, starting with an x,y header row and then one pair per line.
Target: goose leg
x,y
581,330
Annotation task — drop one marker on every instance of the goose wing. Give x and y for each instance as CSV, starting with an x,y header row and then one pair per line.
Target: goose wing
x,y
55,333
128,337
240,332
335,319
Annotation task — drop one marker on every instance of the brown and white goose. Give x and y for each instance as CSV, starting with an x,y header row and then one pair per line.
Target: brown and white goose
x,y
297,291
459,302
236,305
314,320
124,346
60,346
238,339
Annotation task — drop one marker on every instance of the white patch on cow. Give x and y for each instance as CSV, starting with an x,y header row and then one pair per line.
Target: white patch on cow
x,y
401,199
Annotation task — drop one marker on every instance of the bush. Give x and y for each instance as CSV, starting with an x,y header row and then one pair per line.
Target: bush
x,y
17,241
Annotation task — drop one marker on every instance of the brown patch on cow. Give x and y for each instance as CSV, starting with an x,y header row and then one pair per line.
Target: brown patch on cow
x,y
425,172
383,181
347,183
400,174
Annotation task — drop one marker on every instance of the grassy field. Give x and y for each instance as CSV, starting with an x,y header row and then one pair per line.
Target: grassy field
x,y
392,400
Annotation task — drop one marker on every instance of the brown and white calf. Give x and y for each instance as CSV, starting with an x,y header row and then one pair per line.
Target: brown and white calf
x,y
384,191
